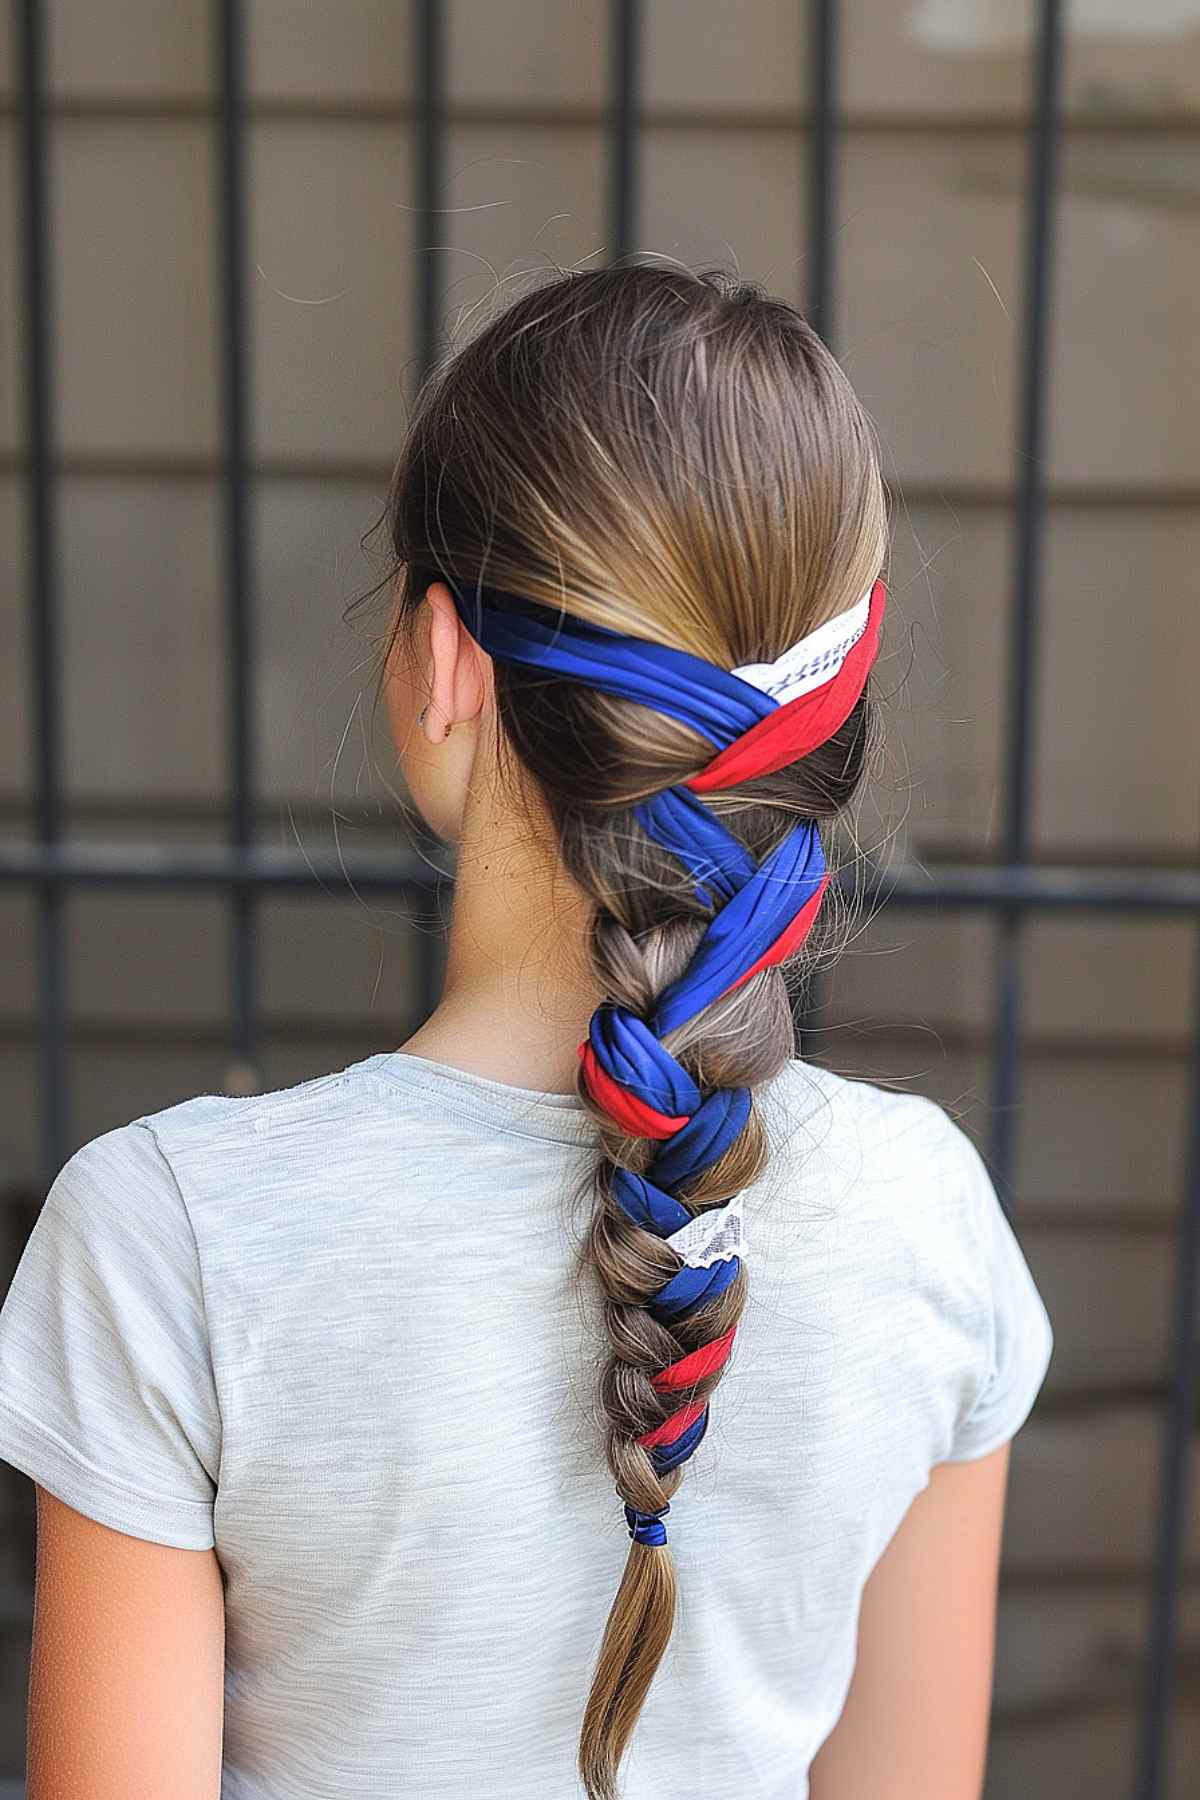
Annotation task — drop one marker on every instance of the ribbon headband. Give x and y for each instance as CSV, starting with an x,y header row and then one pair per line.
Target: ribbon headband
x,y
754,732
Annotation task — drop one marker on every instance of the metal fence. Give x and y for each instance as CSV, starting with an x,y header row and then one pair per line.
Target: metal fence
x,y
51,866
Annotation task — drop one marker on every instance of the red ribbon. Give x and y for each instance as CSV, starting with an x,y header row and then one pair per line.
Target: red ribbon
x,y
685,1373
799,725
625,1109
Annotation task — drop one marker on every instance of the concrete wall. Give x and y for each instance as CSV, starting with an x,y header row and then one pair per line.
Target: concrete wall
x,y
932,166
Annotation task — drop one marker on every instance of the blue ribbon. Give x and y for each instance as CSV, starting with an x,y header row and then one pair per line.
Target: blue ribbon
x,y
646,1527
711,700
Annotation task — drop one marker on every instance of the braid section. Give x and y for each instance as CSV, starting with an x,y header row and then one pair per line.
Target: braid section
x,y
670,1327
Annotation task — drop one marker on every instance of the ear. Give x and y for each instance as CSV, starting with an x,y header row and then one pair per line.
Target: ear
x,y
458,668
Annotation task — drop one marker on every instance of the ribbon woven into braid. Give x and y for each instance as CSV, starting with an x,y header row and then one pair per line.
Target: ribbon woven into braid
x,y
758,719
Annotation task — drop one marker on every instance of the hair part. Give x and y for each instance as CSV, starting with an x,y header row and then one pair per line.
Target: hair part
x,y
675,455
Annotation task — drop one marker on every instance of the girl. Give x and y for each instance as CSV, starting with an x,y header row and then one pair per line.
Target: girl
x,y
587,1397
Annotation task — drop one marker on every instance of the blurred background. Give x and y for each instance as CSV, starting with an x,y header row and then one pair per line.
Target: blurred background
x,y
232,236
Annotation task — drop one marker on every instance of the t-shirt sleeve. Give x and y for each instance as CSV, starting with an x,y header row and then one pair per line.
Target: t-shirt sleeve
x,y
1020,1337
107,1394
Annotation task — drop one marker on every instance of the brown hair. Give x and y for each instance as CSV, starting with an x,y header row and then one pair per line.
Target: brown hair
x,y
673,454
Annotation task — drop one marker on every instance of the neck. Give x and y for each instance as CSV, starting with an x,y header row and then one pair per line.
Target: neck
x,y
519,989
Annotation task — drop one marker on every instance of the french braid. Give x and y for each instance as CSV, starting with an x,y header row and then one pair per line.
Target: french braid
x,y
634,481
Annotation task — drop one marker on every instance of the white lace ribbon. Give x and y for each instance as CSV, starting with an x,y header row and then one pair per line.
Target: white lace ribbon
x,y
713,1235
815,659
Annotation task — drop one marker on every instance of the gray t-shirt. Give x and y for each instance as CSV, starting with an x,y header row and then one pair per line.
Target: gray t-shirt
x,y
335,1331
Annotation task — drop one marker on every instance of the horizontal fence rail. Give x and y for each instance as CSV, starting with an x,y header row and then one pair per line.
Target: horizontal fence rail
x,y
52,866
990,887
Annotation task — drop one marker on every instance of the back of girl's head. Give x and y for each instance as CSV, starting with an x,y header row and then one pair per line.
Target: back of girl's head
x,y
675,456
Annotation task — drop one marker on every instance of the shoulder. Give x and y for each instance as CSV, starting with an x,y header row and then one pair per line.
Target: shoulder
x,y
168,1170
899,1162
220,1129
891,1130
240,1113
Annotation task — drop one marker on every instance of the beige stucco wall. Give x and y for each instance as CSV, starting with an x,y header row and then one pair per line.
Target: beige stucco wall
x,y
931,170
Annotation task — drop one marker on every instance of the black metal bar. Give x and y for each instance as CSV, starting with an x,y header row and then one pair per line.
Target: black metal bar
x,y
430,121
819,160
332,875
1149,122
239,571
1175,1478
998,887
1027,573
366,471
45,661
623,164
822,113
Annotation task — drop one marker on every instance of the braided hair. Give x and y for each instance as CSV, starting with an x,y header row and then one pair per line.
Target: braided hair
x,y
635,481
